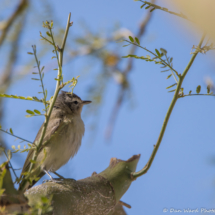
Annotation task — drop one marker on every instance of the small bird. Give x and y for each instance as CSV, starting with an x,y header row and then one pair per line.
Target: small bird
x,y
62,138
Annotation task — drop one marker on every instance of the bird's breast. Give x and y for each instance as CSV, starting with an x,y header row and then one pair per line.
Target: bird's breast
x,y
65,145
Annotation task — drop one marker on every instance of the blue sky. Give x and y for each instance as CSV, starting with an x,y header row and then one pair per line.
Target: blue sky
x,y
182,174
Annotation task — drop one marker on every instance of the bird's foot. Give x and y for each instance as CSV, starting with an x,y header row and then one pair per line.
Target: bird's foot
x,y
55,180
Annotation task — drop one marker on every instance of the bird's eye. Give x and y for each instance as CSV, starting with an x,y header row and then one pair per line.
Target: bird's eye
x,y
75,102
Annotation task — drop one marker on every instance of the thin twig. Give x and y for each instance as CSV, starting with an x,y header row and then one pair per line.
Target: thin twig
x,y
171,70
10,165
15,136
163,61
175,97
197,95
165,9
57,90
41,78
124,204
64,40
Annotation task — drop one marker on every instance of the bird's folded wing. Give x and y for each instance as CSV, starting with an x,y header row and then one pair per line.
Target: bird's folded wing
x,y
54,126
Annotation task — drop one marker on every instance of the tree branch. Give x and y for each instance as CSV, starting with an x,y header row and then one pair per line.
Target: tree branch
x,y
121,93
57,90
175,97
6,26
95,195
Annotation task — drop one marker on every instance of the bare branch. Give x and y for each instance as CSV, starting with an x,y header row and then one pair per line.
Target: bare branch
x,y
122,90
175,97
57,90
6,26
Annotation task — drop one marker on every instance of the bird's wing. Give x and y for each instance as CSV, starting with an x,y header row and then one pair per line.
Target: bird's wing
x,y
53,126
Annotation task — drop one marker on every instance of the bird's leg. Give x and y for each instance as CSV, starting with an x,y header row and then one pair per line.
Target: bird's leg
x,y
60,176
56,180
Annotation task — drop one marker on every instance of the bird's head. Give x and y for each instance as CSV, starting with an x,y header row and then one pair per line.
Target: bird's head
x,y
70,102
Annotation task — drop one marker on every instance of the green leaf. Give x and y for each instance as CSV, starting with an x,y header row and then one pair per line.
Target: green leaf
x,y
198,89
165,70
34,73
190,92
170,59
164,51
36,79
55,69
169,76
11,131
53,57
32,161
148,7
171,85
25,173
42,76
131,39
137,40
28,116
37,112
45,200
208,89
126,45
152,9
132,55
142,6
30,112
158,53
0,126
48,33
35,98
42,68
30,53
171,91
46,92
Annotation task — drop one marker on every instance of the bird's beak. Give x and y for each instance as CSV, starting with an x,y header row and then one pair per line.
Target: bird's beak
x,y
86,102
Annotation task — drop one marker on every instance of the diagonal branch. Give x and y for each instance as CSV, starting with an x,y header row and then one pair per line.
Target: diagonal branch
x,y
57,90
6,26
122,90
163,129
164,9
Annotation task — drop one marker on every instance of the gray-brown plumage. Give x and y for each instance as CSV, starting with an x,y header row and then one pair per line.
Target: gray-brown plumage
x,y
62,138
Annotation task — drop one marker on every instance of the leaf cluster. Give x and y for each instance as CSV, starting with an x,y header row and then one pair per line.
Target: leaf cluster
x,y
158,57
25,149
33,113
152,7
